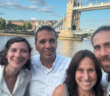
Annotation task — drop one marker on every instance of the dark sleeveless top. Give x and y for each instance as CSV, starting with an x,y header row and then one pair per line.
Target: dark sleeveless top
x,y
66,90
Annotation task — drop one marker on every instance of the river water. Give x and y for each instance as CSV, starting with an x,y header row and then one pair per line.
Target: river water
x,y
66,48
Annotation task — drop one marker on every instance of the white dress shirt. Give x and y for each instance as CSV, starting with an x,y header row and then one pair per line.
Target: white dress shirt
x,y
22,81
45,80
104,81
108,90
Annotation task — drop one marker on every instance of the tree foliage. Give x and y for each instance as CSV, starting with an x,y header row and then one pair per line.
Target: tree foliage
x,y
27,25
2,23
9,25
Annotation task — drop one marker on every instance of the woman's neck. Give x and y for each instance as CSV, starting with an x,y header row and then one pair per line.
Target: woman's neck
x,y
10,72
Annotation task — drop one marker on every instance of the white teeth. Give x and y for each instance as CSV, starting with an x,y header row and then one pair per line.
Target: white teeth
x,y
17,60
48,51
107,61
86,82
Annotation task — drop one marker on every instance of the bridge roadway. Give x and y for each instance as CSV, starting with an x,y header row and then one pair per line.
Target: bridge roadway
x,y
91,7
78,32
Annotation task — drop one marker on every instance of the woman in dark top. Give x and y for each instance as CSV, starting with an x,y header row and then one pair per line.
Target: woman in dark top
x,y
83,77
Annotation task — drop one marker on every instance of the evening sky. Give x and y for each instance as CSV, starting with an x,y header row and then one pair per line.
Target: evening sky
x,y
52,10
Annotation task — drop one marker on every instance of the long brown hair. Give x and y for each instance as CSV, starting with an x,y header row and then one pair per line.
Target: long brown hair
x,y
70,78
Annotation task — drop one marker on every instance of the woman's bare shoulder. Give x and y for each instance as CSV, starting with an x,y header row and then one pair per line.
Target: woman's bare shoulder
x,y
60,90
105,92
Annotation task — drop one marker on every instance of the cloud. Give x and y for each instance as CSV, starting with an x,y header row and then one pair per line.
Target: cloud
x,y
32,18
38,2
1,13
16,5
47,9
56,15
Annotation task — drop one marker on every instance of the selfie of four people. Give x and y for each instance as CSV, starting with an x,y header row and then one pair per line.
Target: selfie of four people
x,y
51,74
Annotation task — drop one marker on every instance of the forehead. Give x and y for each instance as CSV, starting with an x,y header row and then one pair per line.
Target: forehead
x,y
86,63
19,45
101,38
45,34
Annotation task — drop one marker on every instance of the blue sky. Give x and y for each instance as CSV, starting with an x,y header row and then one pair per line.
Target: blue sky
x,y
52,10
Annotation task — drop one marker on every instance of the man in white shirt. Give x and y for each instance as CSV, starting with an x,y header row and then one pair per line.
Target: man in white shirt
x,y
101,44
48,68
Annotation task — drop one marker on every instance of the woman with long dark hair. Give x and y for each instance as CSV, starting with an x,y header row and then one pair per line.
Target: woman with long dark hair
x,y
15,64
83,77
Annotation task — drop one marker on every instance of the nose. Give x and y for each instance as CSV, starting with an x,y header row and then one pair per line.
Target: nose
x,y
48,45
86,75
104,52
18,54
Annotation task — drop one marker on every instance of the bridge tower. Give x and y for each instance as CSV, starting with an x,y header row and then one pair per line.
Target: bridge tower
x,y
72,20
72,17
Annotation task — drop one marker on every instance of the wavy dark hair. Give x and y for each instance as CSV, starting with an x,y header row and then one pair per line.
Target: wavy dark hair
x,y
71,71
3,53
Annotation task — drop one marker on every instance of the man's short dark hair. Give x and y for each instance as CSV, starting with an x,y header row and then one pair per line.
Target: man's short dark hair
x,y
46,27
102,28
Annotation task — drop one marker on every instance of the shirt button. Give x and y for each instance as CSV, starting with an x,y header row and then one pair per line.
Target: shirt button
x,y
47,73
47,85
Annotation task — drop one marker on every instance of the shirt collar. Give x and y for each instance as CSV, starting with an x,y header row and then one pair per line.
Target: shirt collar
x,y
41,65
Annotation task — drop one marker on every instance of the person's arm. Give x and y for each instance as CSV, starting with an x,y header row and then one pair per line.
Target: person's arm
x,y
60,90
105,92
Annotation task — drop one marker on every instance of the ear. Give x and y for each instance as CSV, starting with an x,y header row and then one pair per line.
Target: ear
x,y
36,45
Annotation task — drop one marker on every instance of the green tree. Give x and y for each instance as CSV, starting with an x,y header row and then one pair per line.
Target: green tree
x,y
9,25
2,23
27,25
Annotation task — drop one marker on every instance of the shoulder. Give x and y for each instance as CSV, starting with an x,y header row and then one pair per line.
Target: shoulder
x,y
104,81
108,90
63,58
35,59
105,92
35,56
26,73
60,90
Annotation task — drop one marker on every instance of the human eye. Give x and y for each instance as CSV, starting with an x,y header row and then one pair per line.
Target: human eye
x,y
42,41
52,41
24,51
91,70
80,70
108,44
96,47
13,50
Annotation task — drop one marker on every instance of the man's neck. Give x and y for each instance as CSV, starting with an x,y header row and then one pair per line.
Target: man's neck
x,y
47,63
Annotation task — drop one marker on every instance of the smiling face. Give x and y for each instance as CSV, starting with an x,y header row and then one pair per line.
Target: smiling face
x,y
101,44
46,44
17,55
85,75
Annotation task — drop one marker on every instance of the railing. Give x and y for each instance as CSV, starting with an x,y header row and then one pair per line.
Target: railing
x,y
107,3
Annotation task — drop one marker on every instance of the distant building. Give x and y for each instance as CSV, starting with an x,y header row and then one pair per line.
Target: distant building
x,y
35,23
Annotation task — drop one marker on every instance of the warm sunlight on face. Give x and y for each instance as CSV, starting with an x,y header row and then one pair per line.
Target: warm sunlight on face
x,y
86,76
17,55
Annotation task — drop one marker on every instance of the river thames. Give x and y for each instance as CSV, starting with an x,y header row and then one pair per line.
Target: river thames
x,y
66,48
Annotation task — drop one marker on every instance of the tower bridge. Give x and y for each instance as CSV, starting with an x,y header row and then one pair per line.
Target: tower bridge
x,y
92,7
73,14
